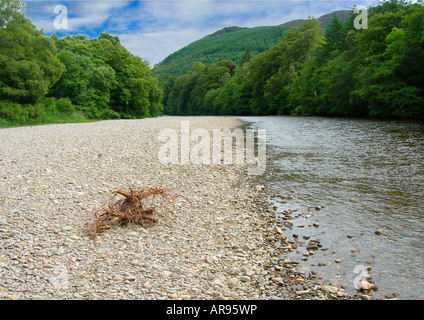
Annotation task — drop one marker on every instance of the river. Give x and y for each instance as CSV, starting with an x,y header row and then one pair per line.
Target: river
x,y
367,175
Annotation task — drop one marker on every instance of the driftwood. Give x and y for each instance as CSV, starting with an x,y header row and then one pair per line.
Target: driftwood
x,y
142,207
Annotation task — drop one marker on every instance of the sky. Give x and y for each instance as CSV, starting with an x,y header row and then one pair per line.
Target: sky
x,y
153,29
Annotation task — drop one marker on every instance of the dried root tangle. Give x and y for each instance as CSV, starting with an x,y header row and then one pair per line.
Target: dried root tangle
x,y
142,207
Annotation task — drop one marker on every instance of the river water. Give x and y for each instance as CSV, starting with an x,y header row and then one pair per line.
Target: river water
x,y
367,175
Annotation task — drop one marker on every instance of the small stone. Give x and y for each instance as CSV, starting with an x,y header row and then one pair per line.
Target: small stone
x,y
166,274
341,294
258,252
312,246
364,285
232,282
211,259
279,230
338,260
244,278
364,296
217,282
301,292
147,285
378,232
331,289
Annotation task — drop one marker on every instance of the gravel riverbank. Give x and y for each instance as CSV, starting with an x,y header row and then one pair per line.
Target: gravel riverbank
x,y
219,244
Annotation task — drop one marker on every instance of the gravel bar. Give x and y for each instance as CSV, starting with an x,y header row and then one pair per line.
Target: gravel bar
x,y
222,242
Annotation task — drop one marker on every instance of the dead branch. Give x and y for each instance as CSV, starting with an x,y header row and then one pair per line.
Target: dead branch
x,y
140,207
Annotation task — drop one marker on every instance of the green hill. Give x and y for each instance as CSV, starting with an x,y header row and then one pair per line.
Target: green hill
x,y
231,43
227,43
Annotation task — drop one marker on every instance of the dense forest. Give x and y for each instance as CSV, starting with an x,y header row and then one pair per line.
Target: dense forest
x,y
332,71
337,71
46,79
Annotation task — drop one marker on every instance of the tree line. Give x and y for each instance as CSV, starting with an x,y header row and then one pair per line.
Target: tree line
x,y
340,71
47,79
337,71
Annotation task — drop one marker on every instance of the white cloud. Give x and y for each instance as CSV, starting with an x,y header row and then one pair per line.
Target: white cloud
x,y
156,46
153,29
81,15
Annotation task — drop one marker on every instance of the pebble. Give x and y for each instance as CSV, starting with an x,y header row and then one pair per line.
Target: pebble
x,y
328,288
301,292
147,285
232,282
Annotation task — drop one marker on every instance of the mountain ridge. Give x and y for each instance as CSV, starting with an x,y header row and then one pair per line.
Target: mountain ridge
x,y
231,43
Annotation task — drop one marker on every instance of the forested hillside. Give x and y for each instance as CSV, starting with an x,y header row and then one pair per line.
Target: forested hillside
x,y
228,43
44,80
231,43
340,71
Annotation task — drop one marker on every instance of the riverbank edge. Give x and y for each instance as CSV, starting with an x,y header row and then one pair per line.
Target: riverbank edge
x,y
283,273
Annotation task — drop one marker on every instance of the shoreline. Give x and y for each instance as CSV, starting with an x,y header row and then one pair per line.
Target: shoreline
x,y
218,244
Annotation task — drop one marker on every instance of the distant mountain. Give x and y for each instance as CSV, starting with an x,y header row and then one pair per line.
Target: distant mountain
x,y
227,43
325,20
231,43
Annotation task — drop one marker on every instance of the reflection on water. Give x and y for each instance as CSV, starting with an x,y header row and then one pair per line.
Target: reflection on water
x,y
368,175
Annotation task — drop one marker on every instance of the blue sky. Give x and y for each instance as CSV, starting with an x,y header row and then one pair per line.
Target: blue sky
x,y
153,29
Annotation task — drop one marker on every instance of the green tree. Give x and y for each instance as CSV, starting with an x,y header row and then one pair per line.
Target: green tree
x,y
9,9
246,57
272,72
105,80
391,81
335,36
28,65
